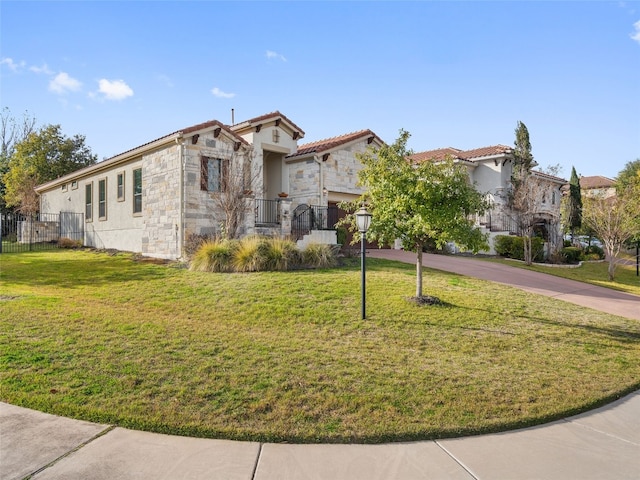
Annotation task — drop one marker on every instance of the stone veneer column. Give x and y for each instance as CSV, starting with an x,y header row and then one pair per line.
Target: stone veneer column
x,y
284,210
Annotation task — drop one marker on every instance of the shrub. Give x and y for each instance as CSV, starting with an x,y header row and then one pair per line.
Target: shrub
x,y
571,254
341,235
65,242
214,256
281,254
318,255
594,250
502,245
513,247
591,257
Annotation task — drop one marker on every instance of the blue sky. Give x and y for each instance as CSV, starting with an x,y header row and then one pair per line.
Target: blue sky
x,y
459,74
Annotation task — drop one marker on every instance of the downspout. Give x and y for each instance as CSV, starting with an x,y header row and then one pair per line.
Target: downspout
x,y
321,176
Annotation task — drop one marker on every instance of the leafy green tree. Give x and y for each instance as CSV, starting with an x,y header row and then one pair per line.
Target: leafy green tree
x,y
629,176
428,202
575,203
628,184
12,132
43,155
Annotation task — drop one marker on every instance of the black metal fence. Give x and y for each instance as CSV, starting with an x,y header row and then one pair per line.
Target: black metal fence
x,y
313,217
499,222
40,231
267,212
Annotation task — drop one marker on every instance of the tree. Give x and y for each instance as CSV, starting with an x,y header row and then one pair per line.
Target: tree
x,y
614,220
42,156
574,203
12,132
420,203
629,176
524,195
237,181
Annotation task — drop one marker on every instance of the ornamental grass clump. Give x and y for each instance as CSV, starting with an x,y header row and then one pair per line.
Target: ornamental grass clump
x,y
215,256
251,254
317,255
282,255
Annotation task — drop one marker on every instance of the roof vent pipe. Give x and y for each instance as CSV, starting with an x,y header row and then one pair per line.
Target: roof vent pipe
x,y
233,121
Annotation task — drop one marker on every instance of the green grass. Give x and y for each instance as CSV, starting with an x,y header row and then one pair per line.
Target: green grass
x,y
594,273
284,356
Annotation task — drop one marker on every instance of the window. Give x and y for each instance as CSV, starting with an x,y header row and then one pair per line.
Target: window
x,y
137,190
88,202
211,174
74,185
64,187
120,186
102,199
553,197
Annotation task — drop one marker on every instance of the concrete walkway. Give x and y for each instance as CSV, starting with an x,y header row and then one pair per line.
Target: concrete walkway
x,y
601,444
592,296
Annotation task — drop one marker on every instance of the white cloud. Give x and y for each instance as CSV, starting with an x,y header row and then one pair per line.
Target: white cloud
x,y
13,66
636,36
63,83
114,89
220,94
43,69
275,55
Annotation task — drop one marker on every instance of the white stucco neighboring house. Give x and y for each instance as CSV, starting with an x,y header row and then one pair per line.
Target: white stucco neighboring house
x,y
151,198
490,170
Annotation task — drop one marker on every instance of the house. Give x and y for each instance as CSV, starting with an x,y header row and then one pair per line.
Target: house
x,y
152,198
597,186
490,170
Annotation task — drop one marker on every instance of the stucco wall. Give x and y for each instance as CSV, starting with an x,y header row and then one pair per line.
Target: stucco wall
x,y
120,229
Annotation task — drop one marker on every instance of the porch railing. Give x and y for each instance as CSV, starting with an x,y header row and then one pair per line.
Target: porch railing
x,y
499,222
267,212
313,217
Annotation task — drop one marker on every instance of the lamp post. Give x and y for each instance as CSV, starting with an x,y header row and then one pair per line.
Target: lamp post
x,y
363,219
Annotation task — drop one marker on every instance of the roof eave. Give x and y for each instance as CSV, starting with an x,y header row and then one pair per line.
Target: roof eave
x,y
110,162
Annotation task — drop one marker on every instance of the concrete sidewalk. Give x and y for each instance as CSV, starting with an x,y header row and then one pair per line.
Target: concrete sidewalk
x,y
602,444
591,296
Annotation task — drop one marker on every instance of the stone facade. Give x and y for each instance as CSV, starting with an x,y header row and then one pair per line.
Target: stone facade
x,y
161,206
175,201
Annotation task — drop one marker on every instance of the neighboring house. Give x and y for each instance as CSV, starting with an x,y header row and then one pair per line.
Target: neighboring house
x,y
597,186
152,198
490,170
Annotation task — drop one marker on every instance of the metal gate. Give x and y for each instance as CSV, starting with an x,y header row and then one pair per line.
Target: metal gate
x,y
312,217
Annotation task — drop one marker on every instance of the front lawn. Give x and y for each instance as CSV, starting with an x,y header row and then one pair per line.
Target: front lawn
x,y
284,356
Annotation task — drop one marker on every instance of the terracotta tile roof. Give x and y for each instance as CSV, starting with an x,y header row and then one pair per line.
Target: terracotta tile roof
x,y
269,116
485,152
333,142
596,181
438,154
470,155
